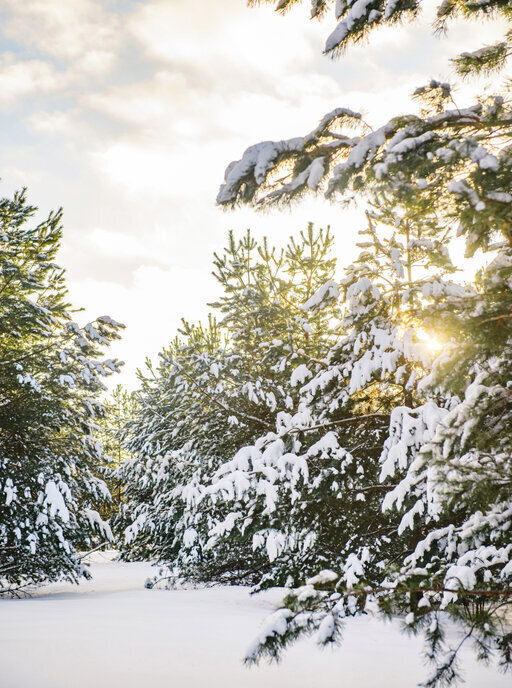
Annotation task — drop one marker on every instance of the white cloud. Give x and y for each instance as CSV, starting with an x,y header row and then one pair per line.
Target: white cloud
x,y
23,77
227,32
148,106
140,168
81,31
56,122
118,244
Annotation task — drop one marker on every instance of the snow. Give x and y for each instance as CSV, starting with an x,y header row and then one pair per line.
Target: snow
x,y
10,491
325,576
274,544
55,501
485,160
391,6
329,290
410,143
257,160
325,630
316,172
300,375
98,523
311,176
357,10
111,632
275,625
94,334
499,196
359,153
107,320
30,380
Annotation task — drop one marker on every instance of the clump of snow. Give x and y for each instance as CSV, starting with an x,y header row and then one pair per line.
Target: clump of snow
x,y
329,290
300,375
55,501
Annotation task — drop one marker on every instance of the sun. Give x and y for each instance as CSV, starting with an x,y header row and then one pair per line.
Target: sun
x,y
433,344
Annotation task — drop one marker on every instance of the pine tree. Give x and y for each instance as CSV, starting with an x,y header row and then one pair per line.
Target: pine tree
x,y
50,381
446,459
216,389
310,493
119,409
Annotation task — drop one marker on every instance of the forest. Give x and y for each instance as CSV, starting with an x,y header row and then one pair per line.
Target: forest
x,y
336,435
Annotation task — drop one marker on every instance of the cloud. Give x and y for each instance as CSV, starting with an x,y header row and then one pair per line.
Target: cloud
x,y
228,32
55,123
78,31
23,77
144,105
217,87
142,168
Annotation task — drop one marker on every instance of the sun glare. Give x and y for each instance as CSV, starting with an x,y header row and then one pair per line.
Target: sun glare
x,y
431,342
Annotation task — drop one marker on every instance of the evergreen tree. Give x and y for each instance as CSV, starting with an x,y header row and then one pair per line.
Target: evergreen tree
x,y
50,380
445,464
216,389
432,533
119,409
311,492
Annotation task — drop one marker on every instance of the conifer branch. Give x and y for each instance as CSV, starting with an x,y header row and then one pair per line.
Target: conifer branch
x,y
225,408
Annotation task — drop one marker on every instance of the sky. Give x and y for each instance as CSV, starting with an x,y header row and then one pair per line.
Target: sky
x,y
127,112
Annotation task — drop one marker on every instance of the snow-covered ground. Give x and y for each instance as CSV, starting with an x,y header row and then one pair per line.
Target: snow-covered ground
x,y
111,632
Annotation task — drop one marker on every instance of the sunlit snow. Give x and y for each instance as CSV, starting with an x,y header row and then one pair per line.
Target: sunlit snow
x,y
111,632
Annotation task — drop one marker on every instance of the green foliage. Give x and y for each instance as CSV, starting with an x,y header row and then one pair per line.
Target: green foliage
x,y
119,409
457,161
352,465
485,60
218,387
265,289
443,514
50,381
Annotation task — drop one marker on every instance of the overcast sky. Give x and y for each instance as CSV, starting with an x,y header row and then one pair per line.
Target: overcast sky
x,y
126,112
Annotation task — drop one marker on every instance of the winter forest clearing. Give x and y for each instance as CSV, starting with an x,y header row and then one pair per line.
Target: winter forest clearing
x,y
333,429
110,631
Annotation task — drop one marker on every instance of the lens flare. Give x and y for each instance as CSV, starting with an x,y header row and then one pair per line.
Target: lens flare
x,y
433,344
